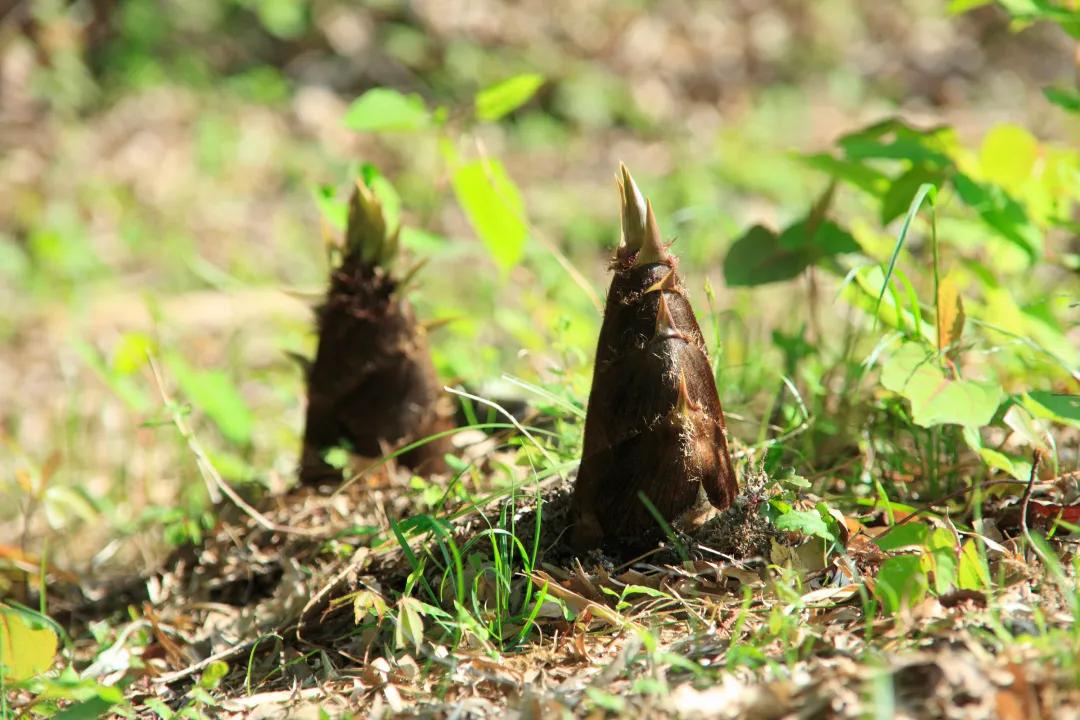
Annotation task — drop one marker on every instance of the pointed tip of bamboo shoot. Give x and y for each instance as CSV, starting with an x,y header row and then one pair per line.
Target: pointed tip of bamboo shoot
x,y
633,212
652,246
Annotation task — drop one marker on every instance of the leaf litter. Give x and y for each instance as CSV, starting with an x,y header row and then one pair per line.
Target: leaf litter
x,y
736,620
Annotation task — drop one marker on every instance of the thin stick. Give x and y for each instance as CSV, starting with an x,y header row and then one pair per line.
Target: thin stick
x,y
1036,460
216,484
951,496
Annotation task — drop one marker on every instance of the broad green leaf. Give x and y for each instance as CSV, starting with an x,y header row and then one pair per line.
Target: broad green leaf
x,y
900,582
1066,98
950,313
92,709
215,394
1008,155
902,190
505,97
27,645
1000,461
383,109
1026,427
494,207
864,177
1056,406
1001,212
972,573
807,522
761,256
935,399
895,140
905,535
941,549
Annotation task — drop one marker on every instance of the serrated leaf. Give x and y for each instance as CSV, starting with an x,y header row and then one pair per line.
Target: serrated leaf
x,y
493,205
505,97
807,522
383,110
950,313
27,645
367,601
935,399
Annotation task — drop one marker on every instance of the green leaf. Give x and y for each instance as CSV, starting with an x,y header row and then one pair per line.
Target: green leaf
x,y
864,177
505,97
1059,406
972,573
895,140
941,549
1066,98
215,394
903,189
383,110
494,207
905,535
901,582
92,709
807,522
913,372
761,256
1001,212
410,625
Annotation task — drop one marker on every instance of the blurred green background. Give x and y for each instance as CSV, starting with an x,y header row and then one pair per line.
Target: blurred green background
x,y
168,173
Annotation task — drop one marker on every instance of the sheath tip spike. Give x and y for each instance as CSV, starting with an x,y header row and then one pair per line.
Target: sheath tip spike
x,y
665,323
652,248
633,212
664,284
684,405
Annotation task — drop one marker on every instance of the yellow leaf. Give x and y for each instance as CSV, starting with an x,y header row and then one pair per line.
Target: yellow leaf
x,y
950,313
25,651
1008,156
